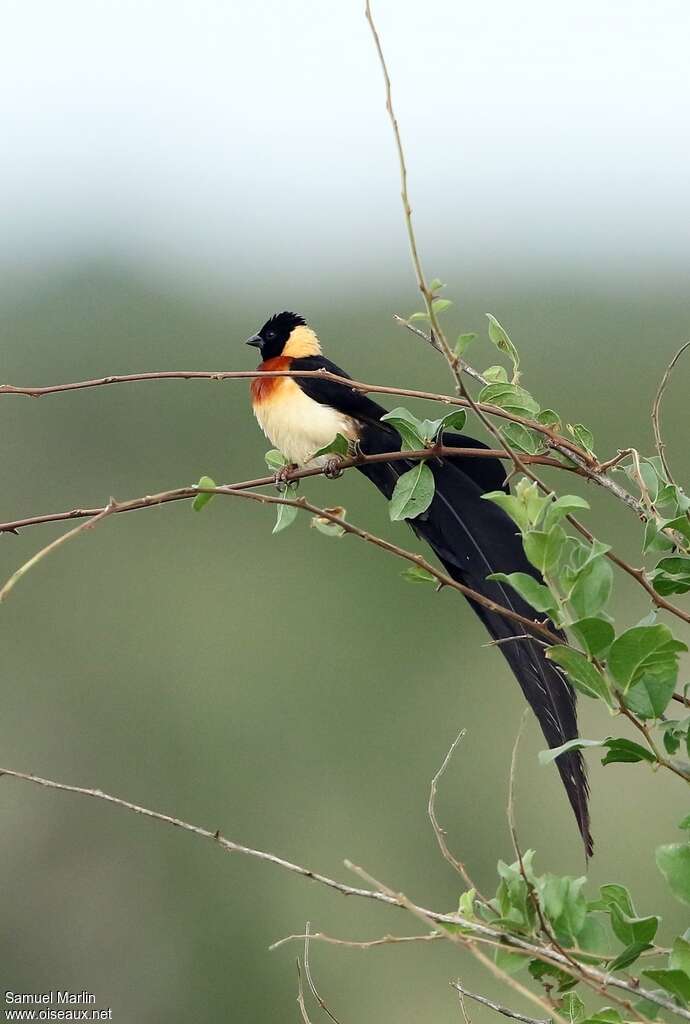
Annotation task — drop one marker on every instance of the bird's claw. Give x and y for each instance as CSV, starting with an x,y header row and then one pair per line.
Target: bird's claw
x,y
281,476
333,467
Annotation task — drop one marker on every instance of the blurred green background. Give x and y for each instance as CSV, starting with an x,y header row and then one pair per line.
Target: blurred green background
x,y
292,691
177,173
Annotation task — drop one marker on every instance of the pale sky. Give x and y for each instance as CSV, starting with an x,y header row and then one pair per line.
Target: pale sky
x,y
235,139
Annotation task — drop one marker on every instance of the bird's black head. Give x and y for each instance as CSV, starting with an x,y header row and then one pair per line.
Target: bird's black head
x,y
276,333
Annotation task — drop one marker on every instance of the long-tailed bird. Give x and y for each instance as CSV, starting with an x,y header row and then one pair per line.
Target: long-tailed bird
x,y
471,537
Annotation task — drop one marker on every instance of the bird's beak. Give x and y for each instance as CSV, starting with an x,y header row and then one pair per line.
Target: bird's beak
x,y
256,340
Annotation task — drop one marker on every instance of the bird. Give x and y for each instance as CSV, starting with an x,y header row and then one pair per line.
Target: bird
x,y
471,537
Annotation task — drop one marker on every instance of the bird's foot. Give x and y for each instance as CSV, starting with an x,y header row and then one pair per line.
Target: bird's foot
x,y
281,476
333,467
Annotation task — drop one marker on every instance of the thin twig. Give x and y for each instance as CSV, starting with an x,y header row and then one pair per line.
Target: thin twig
x,y
656,411
384,940
182,493
300,995
479,931
459,939
439,832
497,1006
310,980
53,546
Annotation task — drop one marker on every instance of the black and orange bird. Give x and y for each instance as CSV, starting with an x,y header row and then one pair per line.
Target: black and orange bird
x,y
471,537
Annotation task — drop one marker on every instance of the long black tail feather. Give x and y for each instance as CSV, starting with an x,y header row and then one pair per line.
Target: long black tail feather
x,y
473,538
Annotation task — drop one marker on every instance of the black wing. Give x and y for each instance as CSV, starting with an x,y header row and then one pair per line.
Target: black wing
x,y
338,396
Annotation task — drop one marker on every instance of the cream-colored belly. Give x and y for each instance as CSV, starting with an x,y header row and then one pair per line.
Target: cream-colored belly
x,y
298,426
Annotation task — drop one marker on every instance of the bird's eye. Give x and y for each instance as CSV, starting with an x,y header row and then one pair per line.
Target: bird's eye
x,y
270,335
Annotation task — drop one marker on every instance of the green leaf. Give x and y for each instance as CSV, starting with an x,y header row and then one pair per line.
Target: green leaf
x,y
539,970
495,375
408,426
680,955
626,751
536,594
463,343
286,514
420,315
528,493
572,918
275,459
619,750
673,860
595,635
613,894
510,505
436,285
544,550
547,756
674,981
203,499
582,673
593,936
681,524
644,652
500,339
416,574
583,435
629,955
338,446
510,397
531,442
572,1007
466,904
672,576
509,962
654,540
414,492
441,305
592,588
607,1015
549,418
650,697
562,507
431,429
631,929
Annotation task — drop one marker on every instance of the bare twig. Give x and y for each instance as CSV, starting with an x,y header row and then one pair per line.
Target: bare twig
x,y
310,980
466,941
58,542
656,410
384,940
439,832
478,931
497,1006
300,995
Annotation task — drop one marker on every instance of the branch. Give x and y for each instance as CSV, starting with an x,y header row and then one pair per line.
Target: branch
x,y
385,940
58,542
479,931
497,1006
656,410
310,981
439,832
302,504
183,493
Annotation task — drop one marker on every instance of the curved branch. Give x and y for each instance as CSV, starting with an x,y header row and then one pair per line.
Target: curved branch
x,y
479,931
656,410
